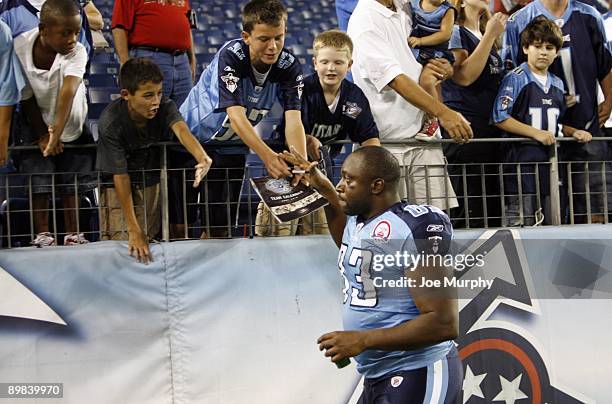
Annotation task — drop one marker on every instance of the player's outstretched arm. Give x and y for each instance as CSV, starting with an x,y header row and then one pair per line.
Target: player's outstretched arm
x,y
336,218
438,322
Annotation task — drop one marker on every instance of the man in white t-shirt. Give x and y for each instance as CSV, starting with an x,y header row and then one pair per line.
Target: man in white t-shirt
x,y
55,106
387,72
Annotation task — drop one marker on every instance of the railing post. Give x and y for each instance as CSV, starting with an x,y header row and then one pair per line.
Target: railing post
x,y
555,200
164,194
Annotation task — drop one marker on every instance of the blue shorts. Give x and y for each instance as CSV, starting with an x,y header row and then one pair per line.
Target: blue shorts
x,y
530,177
438,383
423,55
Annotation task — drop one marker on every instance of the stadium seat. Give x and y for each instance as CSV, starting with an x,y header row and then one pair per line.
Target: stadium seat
x,y
101,80
104,68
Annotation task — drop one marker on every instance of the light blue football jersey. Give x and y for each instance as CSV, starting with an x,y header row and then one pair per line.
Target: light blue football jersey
x,y
368,302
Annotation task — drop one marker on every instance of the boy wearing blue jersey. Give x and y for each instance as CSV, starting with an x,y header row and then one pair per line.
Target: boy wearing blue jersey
x,y
400,335
239,87
432,27
333,109
530,103
584,62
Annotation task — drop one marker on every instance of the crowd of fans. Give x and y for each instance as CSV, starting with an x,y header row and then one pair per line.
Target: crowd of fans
x,y
404,71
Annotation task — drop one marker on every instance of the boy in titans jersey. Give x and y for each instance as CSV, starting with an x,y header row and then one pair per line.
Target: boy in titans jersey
x,y
432,27
584,61
530,103
246,77
400,335
333,109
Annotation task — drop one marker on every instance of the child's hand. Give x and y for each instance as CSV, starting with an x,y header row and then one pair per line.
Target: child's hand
x,y
545,137
201,169
570,100
582,136
414,42
54,145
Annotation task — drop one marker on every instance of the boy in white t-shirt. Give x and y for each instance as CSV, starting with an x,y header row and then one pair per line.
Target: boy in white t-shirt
x,y
55,106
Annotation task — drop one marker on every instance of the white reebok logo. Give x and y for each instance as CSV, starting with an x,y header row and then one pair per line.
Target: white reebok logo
x,y
396,381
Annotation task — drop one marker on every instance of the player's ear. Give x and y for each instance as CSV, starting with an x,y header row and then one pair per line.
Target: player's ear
x,y
124,93
314,61
350,63
378,186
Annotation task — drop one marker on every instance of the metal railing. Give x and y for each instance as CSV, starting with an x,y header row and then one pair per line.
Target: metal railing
x,y
481,193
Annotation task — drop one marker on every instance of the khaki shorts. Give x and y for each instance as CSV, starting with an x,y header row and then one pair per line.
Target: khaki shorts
x,y
424,178
266,225
112,220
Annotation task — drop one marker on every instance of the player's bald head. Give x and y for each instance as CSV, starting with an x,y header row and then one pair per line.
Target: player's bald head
x,y
377,162
53,10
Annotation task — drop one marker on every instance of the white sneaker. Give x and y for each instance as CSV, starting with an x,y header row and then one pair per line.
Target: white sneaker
x,y
44,239
74,239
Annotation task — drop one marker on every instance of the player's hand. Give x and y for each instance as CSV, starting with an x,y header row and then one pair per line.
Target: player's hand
x,y
456,125
582,136
138,247
308,171
496,25
276,166
43,142
604,110
570,100
339,345
3,153
545,137
313,146
54,145
414,42
201,169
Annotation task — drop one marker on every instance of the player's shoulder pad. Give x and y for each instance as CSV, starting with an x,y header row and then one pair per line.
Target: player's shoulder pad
x,y
424,220
286,59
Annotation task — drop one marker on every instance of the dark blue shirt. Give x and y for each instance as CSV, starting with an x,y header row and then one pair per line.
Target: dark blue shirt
x,y
522,97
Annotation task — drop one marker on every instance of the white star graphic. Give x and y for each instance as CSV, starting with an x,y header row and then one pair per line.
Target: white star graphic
x,y
510,391
471,385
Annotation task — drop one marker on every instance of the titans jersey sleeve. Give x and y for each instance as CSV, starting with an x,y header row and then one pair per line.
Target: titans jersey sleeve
x,y
231,69
510,88
431,229
291,81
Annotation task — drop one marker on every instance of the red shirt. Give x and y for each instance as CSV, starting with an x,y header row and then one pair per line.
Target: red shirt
x,y
153,23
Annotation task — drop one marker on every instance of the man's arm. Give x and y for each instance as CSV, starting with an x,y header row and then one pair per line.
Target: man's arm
x,y
120,39
456,125
605,107
138,245
276,166
438,321
62,113
371,142
6,113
